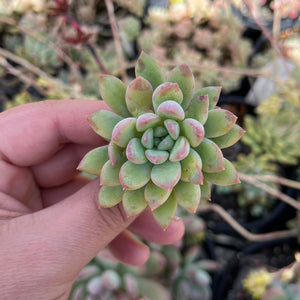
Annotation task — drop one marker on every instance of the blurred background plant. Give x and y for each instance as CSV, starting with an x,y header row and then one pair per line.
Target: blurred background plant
x,y
56,49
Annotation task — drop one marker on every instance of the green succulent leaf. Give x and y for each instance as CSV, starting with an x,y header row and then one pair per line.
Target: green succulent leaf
x,y
171,110
180,150
94,160
157,156
198,109
133,176
155,196
166,144
193,130
135,151
187,195
124,131
148,139
113,92
146,121
160,131
166,91
166,212
183,75
213,93
166,175
109,175
172,128
115,153
191,168
139,96
219,122
110,196
226,177
134,201
103,122
230,138
211,155
205,190
147,68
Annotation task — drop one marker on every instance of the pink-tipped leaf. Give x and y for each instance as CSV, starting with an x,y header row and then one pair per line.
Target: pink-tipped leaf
x,y
166,212
133,176
229,138
155,196
147,68
187,195
134,201
198,109
183,75
226,177
94,160
213,93
211,155
193,130
135,151
103,122
166,175
124,131
139,96
166,91
172,128
191,168
180,150
113,92
219,122
146,121
171,110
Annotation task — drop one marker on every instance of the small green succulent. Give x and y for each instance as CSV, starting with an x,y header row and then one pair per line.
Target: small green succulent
x,y
164,142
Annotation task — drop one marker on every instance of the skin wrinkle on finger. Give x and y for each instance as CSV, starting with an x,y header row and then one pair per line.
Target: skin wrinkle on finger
x,y
54,121
61,168
19,183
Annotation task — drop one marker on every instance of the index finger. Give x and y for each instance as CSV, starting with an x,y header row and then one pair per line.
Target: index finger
x,y
33,132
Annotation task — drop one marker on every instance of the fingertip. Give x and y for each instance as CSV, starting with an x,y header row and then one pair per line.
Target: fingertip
x,y
128,250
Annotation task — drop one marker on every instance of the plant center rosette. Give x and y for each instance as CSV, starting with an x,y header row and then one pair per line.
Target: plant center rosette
x,y
165,142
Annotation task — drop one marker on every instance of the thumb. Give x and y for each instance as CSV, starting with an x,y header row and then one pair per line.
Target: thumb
x,y
71,232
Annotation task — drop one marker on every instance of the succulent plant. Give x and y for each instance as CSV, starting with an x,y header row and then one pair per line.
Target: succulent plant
x,y
164,142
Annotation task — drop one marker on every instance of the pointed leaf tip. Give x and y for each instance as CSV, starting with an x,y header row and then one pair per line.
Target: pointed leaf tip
x,y
219,122
94,160
226,177
166,175
110,196
133,176
166,91
211,155
139,96
103,122
113,90
147,68
187,195
213,93
183,75
166,212
134,201
155,196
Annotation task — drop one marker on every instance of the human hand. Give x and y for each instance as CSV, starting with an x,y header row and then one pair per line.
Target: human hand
x,y
50,224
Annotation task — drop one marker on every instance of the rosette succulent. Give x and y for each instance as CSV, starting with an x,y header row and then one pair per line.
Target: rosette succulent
x,y
164,142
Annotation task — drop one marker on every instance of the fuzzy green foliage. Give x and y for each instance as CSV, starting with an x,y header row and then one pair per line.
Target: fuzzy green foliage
x,y
131,27
255,200
214,43
274,138
165,142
